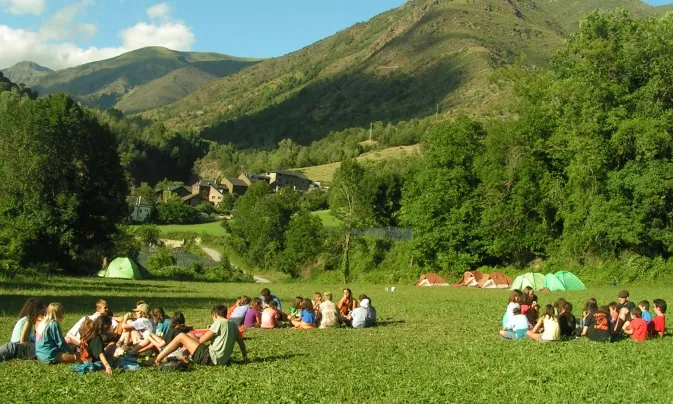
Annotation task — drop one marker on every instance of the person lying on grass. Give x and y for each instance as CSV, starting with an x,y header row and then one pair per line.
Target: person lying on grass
x,y
517,326
222,335
637,327
50,347
659,322
93,347
549,326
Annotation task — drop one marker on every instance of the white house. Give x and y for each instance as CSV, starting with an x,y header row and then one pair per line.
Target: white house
x,y
141,210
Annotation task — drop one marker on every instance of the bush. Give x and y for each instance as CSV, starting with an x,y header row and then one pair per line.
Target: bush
x,y
162,258
176,212
196,272
148,234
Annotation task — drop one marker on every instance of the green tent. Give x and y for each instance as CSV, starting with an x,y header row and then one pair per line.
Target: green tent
x,y
534,280
122,268
553,283
570,281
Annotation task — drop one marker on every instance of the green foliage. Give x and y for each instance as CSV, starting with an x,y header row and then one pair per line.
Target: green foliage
x,y
146,192
62,189
314,200
584,171
303,241
160,259
148,234
176,212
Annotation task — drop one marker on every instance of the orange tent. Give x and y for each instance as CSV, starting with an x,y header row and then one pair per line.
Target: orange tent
x,y
496,280
471,279
431,279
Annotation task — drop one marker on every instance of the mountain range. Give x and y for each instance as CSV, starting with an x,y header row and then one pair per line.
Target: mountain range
x,y
133,82
425,57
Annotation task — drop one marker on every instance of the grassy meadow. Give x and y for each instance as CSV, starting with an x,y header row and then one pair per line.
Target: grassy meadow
x,y
433,345
212,228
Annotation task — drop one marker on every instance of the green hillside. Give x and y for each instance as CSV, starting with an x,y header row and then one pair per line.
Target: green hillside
x,y
399,65
164,90
28,73
406,63
104,83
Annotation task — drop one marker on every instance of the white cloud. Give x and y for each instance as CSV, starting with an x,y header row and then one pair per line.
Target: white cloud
x,y
161,10
20,7
51,45
172,35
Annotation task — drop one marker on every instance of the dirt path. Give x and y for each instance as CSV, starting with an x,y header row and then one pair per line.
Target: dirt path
x,y
217,257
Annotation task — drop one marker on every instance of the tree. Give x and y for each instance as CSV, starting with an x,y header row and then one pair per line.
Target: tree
x,y
174,211
303,241
63,188
352,201
146,192
148,234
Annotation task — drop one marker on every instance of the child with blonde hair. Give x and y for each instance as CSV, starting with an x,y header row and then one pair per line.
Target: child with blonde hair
x,y
547,328
138,328
329,313
50,347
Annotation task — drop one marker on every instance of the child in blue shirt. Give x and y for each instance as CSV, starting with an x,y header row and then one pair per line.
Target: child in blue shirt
x,y
517,326
645,308
50,347
307,315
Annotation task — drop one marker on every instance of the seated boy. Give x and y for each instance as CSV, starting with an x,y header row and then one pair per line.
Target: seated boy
x,y
614,312
73,336
222,335
645,309
597,325
659,321
517,326
637,327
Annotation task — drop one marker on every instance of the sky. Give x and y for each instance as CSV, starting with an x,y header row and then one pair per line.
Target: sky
x,y
66,33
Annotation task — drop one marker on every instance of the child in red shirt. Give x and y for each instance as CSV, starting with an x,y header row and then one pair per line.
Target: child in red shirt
x,y
637,327
659,321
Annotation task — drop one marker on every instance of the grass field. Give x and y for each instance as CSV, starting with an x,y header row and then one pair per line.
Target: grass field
x,y
326,171
212,228
327,219
434,345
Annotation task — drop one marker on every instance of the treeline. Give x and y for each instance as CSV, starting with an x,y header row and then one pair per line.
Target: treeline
x,y
345,144
584,170
62,187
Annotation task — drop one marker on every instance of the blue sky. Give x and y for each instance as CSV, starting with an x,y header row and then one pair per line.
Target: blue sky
x,y
64,33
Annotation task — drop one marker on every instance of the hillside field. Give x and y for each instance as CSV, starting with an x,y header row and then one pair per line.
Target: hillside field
x,y
212,228
324,173
433,345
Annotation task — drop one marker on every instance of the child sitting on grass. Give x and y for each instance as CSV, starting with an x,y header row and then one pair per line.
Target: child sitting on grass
x,y
517,326
659,322
512,303
549,325
329,314
162,323
614,312
307,316
24,329
92,342
637,327
222,335
270,316
295,311
138,328
50,347
238,314
645,309
317,299
566,320
253,318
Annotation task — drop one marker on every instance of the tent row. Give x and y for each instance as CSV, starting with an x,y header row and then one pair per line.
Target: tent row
x,y
473,279
562,280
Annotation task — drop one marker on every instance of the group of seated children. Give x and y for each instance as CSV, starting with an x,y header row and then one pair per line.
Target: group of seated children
x,y
265,312
525,319
101,337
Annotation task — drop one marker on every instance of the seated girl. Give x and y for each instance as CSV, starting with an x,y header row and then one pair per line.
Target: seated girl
x,y
162,323
547,328
92,342
566,320
50,347
24,329
329,314
238,314
138,329
270,316
295,310
307,316
512,303
347,302
157,342
253,318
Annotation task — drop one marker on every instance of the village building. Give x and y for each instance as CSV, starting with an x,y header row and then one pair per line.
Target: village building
x,y
141,210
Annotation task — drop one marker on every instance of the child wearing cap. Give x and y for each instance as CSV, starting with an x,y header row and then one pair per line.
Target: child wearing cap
x,y
624,307
138,328
637,327
659,321
358,316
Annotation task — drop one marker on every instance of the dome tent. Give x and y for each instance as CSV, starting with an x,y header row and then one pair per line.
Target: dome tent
x,y
495,280
534,280
123,268
431,279
471,279
553,283
570,281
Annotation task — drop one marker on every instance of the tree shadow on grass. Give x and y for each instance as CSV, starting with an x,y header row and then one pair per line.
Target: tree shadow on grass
x,y
389,322
267,359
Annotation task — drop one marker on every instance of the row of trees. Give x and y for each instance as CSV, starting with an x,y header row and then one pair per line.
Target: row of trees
x,y
584,170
